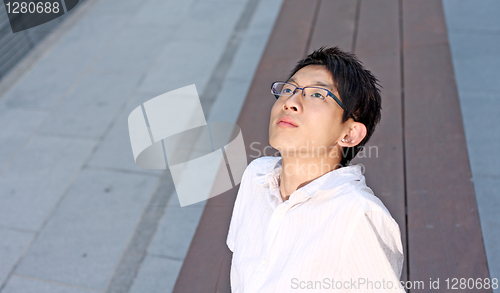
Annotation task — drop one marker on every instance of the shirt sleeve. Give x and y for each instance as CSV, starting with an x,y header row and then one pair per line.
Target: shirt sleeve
x,y
231,235
245,187
374,255
236,217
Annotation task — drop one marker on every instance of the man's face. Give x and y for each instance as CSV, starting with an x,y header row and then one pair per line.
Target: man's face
x,y
314,123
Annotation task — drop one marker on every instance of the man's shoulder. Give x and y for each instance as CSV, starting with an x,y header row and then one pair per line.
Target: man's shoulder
x,y
357,197
371,207
263,165
257,170
366,198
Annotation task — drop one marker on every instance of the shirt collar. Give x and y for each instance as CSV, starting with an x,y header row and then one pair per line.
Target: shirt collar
x,y
268,175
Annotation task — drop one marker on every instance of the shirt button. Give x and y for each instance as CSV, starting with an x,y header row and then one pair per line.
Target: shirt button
x,y
263,262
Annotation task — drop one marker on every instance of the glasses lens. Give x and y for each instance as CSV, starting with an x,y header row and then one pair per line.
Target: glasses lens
x,y
283,89
315,93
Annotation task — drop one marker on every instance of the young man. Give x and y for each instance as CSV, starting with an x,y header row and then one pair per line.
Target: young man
x,y
307,220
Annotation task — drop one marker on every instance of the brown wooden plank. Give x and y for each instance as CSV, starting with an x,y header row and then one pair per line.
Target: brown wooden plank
x,y
445,239
378,46
207,265
334,25
444,232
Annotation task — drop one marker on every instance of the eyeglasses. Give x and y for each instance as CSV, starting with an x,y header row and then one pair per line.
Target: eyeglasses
x,y
313,93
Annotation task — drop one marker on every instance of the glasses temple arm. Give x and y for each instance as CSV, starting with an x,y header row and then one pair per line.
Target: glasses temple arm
x,y
340,103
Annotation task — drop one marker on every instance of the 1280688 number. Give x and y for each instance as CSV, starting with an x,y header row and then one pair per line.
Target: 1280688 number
x,y
471,283
32,7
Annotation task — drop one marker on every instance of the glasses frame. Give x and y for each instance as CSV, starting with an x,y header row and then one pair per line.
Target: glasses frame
x,y
302,89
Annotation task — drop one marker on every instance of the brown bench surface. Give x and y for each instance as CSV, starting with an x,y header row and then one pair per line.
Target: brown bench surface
x,y
418,165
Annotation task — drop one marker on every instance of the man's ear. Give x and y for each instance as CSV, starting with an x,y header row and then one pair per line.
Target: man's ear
x,y
356,134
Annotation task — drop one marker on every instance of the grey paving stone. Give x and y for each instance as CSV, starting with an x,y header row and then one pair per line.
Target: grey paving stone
x,y
476,62
213,21
123,8
464,15
474,35
175,232
162,13
174,203
178,225
481,120
17,126
480,117
13,245
19,284
232,95
230,100
47,82
157,275
250,51
483,157
83,241
195,49
31,186
182,63
248,56
133,50
88,219
91,106
115,150
266,15
37,33
489,204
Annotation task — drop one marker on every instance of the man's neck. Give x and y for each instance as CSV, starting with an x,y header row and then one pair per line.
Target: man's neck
x,y
297,171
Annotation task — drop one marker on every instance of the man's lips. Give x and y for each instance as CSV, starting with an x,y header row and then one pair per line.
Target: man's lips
x,y
286,121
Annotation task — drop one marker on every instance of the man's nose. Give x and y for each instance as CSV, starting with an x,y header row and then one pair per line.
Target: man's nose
x,y
294,101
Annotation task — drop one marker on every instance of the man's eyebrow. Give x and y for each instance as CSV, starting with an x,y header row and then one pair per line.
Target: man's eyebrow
x,y
319,83
315,83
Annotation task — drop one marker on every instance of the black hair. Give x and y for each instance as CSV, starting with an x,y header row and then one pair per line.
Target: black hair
x,y
358,88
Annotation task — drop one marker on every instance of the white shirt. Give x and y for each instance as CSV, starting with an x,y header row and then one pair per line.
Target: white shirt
x,y
331,234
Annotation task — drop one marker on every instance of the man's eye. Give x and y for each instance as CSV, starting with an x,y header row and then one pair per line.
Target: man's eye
x,y
286,91
317,95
